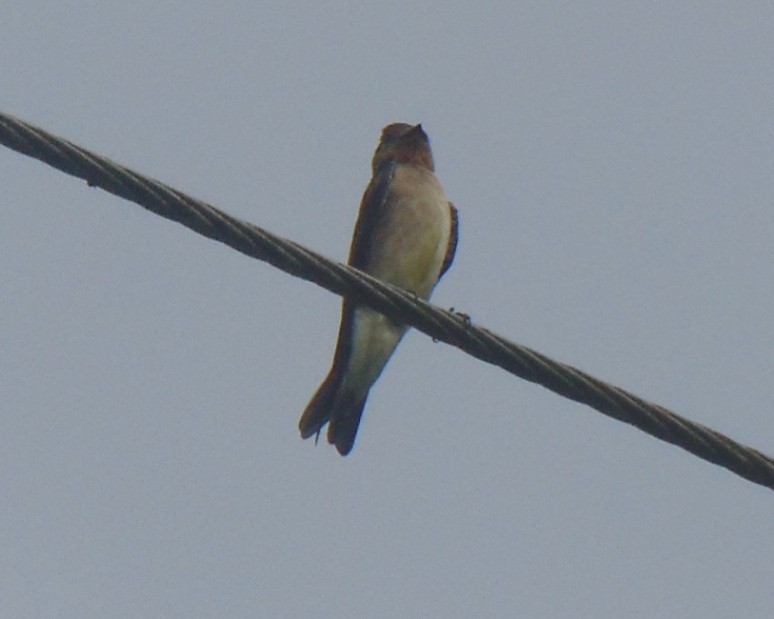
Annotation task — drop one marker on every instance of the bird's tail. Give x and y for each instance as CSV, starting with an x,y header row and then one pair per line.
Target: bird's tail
x,y
341,411
344,422
318,412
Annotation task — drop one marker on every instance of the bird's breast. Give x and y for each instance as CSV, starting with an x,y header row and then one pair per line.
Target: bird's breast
x,y
412,235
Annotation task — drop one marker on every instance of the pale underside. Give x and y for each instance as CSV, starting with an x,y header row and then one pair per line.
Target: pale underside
x,y
408,247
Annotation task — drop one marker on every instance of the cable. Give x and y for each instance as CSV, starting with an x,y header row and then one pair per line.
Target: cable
x,y
447,326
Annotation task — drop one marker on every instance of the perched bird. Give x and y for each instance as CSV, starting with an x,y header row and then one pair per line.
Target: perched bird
x,y
406,235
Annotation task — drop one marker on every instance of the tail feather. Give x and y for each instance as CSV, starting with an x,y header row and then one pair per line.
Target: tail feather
x,y
342,411
343,425
318,411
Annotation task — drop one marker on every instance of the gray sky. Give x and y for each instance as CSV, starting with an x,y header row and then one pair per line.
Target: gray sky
x,y
612,165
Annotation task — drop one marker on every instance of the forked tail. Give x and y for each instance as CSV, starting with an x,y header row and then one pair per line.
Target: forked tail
x,y
341,411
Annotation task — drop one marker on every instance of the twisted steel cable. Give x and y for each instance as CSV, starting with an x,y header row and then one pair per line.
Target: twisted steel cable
x,y
446,326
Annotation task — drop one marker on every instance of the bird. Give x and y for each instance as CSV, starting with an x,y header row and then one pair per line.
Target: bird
x,y
406,235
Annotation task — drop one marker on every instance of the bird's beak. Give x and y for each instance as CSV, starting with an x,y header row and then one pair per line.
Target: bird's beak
x,y
418,132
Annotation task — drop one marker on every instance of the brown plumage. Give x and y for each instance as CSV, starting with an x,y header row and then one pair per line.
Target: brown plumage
x,y
406,234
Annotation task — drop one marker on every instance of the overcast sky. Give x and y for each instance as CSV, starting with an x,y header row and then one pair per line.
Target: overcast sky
x,y
613,167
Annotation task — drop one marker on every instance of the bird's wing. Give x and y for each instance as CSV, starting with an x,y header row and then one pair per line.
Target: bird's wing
x,y
371,208
451,248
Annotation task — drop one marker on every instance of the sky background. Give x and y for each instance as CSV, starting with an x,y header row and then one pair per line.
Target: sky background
x,y
613,167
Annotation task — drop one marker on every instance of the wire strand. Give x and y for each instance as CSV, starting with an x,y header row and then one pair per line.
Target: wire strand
x,y
447,326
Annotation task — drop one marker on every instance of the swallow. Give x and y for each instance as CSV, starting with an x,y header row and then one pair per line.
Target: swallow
x,y
406,235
